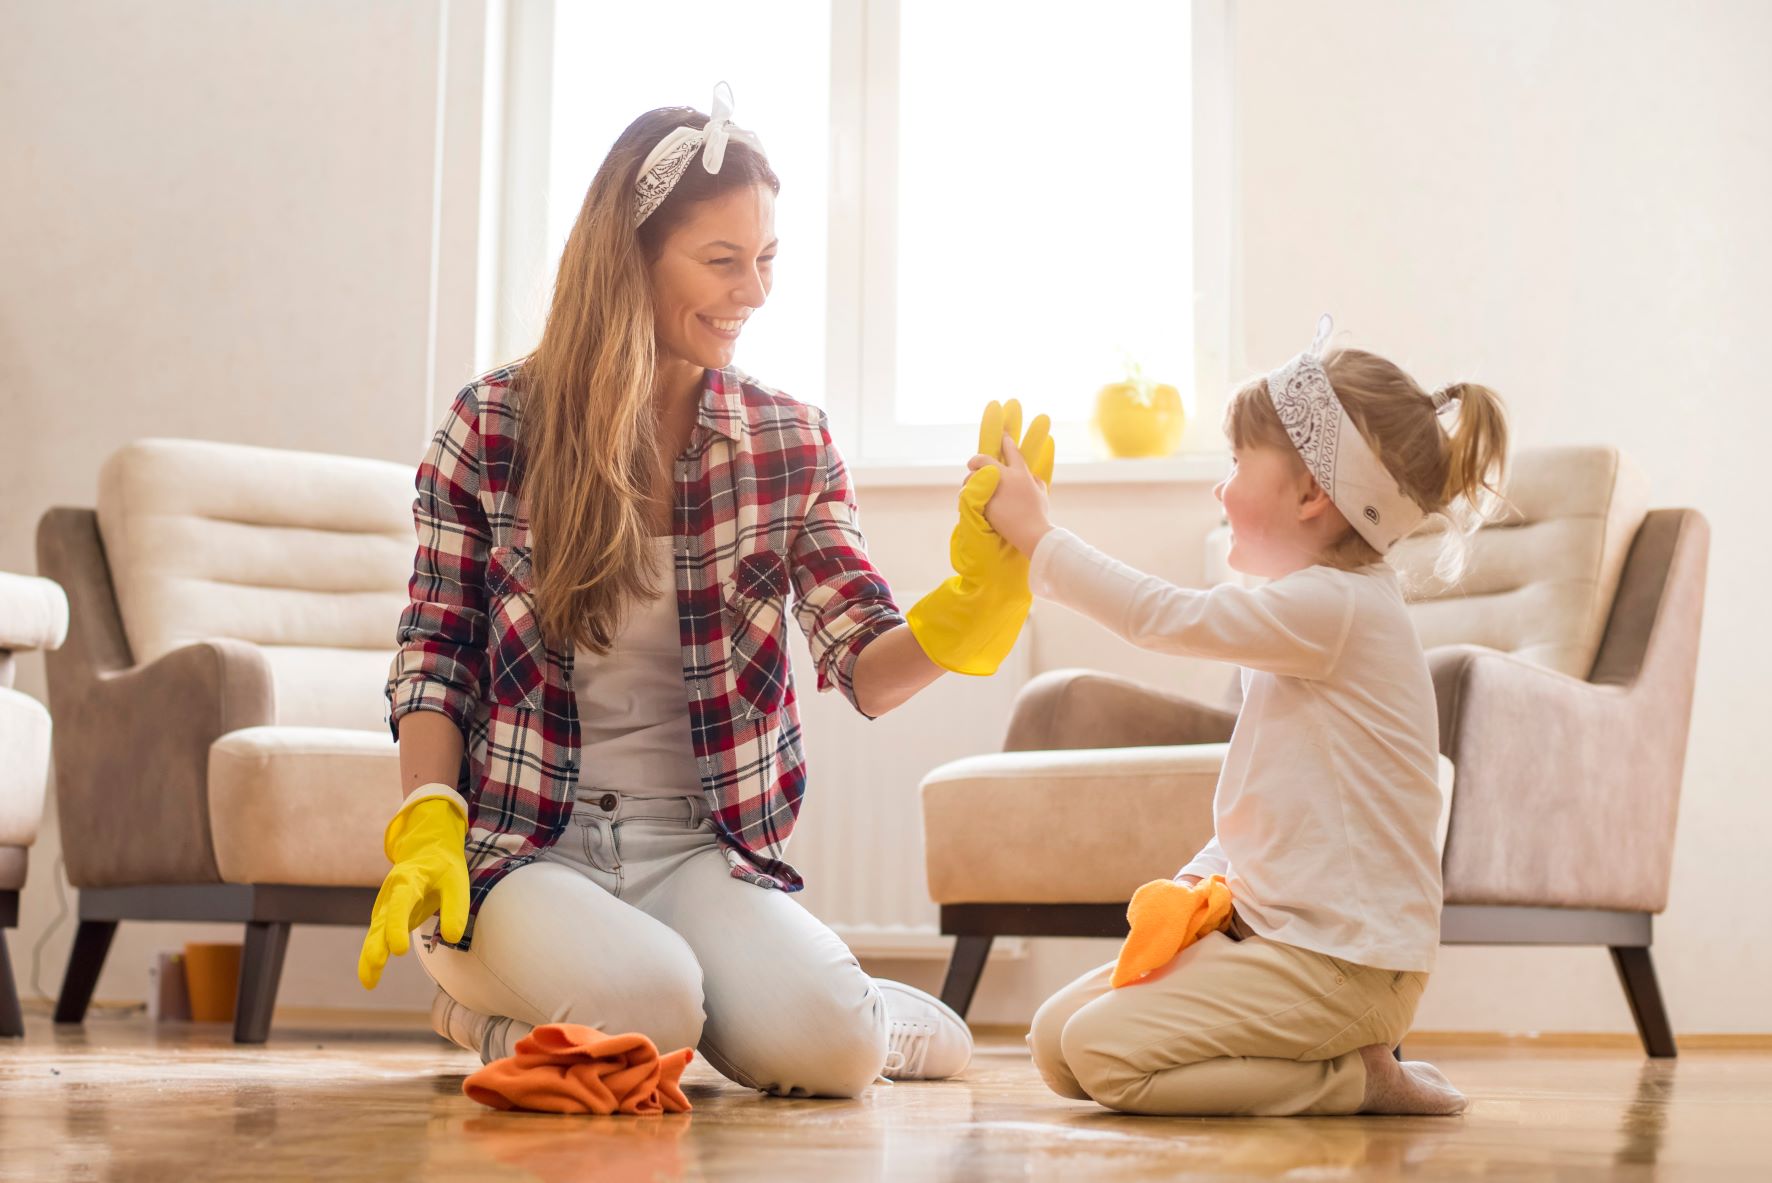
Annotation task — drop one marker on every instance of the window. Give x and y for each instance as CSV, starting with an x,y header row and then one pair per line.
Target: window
x,y
1044,230
978,200
613,61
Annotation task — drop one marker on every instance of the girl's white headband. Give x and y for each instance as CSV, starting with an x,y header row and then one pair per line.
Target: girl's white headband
x,y
1335,451
665,164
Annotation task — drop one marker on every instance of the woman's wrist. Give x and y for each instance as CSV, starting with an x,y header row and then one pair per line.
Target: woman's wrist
x,y
435,789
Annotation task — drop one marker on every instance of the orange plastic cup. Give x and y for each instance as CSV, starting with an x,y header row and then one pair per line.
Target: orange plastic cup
x,y
212,974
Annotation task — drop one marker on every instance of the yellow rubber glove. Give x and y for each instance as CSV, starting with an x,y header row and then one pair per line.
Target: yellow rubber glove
x,y
970,622
1167,917
426,842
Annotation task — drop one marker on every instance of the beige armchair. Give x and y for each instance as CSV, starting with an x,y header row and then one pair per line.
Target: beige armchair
x,y
1563,666
221,746
33,615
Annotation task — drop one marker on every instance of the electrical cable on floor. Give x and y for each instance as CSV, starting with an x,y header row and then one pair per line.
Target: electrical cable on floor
x,y
61,914
42,997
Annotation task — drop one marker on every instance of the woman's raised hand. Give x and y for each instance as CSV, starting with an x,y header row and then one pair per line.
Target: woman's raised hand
x,y
970,623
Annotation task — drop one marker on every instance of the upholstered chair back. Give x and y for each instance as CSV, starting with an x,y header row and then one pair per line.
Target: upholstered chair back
x,y
302,554
1540,581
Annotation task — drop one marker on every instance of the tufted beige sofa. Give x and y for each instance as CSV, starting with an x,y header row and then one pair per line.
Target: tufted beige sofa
x,y
33,615
221,745
1563,665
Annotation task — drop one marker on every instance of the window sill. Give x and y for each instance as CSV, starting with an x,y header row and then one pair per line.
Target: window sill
x,y
1186,468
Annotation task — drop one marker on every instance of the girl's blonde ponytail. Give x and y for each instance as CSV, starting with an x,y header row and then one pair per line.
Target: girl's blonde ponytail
x,y
1476,453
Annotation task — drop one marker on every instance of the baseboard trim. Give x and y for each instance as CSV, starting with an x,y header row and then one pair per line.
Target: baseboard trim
x,y
1600,1040
1620,1040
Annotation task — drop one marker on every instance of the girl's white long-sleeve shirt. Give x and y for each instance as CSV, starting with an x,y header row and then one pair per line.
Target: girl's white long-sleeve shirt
x,y
1327,806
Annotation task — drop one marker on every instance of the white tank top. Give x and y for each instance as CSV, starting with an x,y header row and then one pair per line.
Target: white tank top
x,y
633,709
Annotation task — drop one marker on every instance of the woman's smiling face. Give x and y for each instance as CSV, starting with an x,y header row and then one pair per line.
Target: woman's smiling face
x,y
712,272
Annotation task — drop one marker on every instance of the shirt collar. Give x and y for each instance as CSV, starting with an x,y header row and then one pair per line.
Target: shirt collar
x,y
722,402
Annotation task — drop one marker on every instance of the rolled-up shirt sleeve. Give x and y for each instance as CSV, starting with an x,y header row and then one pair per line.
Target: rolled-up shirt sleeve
x,y
442,630
1210,861
841,602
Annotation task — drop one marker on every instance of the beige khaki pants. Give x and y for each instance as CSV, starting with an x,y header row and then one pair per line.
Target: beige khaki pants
x,y
1231,1026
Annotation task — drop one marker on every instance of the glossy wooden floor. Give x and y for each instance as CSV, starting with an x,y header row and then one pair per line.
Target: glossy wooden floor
x,y
119,1100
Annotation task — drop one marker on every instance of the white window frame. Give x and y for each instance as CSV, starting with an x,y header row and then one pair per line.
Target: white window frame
x,y
861,352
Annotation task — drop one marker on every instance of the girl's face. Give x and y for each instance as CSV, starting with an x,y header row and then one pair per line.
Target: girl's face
x,y
712,272
1274,509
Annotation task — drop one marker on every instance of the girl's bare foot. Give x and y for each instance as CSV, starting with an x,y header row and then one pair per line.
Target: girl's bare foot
x,y
1413,1088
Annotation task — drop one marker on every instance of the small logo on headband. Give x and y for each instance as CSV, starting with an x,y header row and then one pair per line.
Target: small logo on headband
x,y
1372,514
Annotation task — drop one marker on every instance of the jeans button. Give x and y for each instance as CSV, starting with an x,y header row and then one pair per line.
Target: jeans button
x,y
607,801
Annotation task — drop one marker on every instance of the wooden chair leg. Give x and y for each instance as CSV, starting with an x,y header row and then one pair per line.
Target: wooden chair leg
x,y
12,1017
1636,973
92,940
964,969
261,968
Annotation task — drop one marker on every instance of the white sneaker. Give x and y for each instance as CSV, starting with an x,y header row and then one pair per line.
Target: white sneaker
x,y
926,1040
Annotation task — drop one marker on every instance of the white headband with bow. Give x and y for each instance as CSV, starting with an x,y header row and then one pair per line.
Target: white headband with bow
x,y
1335,451
665,164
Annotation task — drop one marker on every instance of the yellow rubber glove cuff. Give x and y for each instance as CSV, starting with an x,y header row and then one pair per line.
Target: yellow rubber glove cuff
x,y
426,841
1166,917
970,622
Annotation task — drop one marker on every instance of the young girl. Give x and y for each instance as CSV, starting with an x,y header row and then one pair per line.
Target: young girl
x,y
1326,808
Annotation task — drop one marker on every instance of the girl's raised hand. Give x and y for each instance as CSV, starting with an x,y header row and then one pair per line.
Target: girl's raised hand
x,y
1017,509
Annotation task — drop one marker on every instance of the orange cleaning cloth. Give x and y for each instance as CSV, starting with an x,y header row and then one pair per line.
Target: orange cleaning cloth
x,y
1166,917
571,1068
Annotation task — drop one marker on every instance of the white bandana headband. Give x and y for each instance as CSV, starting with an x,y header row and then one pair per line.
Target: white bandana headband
x,y
665,165
1335,451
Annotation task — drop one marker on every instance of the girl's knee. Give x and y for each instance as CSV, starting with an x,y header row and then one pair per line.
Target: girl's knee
x,y
1095,1059
1043,1040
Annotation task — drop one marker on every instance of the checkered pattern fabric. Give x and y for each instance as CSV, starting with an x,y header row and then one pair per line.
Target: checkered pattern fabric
x,y
764,518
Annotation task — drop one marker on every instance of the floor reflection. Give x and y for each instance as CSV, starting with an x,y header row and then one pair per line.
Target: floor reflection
x,y
1644,1122
122,1101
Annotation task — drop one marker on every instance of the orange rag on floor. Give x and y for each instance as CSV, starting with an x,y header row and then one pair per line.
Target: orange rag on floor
x,y
1166,917
571,1068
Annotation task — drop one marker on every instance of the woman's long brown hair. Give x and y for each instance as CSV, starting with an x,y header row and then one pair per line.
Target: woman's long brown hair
x,y
590,460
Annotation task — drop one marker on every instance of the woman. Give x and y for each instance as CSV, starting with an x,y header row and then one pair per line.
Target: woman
x,y
597,730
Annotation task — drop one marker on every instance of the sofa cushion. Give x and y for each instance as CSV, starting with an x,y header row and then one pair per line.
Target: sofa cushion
x,y
302,805
24,767
33,612
1540,581
1087,825
306,555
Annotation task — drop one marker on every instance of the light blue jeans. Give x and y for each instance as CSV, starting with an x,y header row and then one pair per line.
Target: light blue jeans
x,y
632,921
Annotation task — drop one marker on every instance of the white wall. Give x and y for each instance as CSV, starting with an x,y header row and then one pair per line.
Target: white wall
x,y
218,223
223,226
1567,200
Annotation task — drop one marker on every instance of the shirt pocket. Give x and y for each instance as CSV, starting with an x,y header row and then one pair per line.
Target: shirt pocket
x,y
519,659
756,614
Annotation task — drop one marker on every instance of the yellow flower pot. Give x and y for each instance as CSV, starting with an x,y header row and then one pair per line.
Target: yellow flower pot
x,y
1140,418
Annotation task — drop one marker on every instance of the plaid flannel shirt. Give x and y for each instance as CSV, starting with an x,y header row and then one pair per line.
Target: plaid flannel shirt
x,y
763,512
